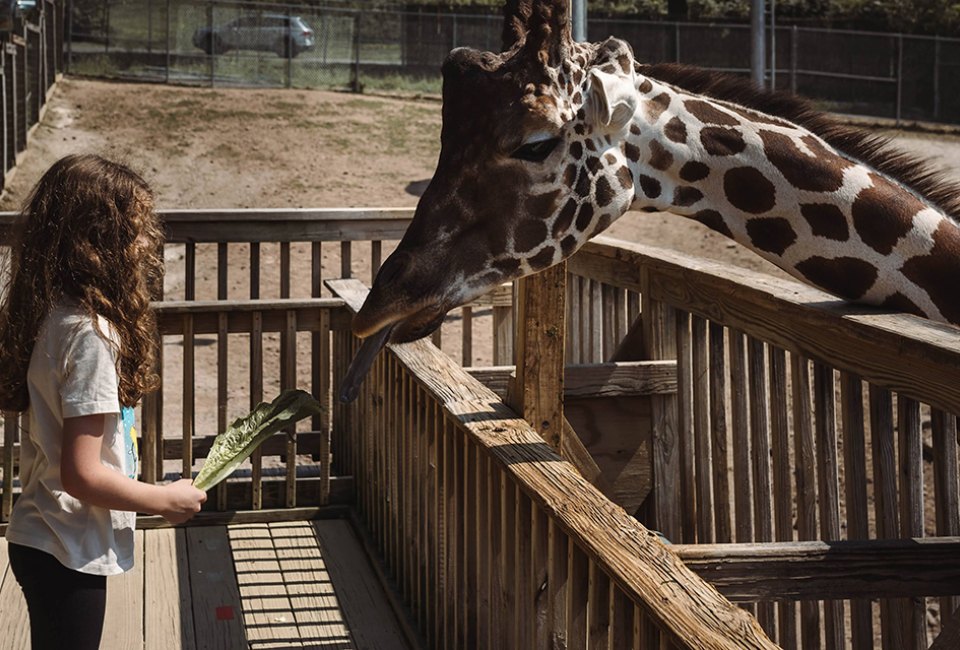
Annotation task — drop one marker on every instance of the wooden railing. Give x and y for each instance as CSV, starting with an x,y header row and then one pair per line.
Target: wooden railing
x,y
799,417
493,540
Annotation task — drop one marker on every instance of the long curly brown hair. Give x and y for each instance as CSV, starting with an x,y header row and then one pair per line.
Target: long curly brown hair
x,y
87,232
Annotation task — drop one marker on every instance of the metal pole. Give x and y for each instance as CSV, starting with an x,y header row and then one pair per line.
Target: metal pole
x,y
69,40
356,54
289,47
758,55
579,9
936,78
773,44
794,48
676,42
168,42
899,75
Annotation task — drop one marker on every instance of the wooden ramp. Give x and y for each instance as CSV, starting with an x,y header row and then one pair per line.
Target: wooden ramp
x,y
295,584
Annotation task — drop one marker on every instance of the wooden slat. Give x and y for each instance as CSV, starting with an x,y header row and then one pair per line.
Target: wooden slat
x,y
829,570
700,395
828,478
267,612
910,454
222,375
578,575
885,497
288,380
599,609
214,594
855,486
317,611
740,420
945,477
189,383
718,435
612,379
167,614
782,475
805,459
256,395
760,459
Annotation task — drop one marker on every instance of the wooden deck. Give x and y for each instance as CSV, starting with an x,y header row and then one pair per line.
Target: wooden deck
x,y
296,584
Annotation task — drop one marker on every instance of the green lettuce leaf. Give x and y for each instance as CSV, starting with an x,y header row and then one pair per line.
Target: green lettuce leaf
x,y
246,433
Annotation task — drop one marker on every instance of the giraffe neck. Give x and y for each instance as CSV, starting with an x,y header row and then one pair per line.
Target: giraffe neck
x,y
786,194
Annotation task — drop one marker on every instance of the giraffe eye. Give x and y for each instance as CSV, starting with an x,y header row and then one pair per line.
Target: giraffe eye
x,y
536,151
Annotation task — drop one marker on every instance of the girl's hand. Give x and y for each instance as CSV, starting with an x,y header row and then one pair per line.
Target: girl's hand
x,y
183,501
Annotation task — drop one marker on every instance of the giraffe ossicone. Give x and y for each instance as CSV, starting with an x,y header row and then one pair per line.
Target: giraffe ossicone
x,y
547,143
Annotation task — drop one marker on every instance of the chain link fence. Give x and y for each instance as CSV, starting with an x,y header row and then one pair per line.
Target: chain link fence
x,y
234,44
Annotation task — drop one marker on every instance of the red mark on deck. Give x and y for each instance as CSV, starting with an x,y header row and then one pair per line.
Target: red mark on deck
x,y
225,613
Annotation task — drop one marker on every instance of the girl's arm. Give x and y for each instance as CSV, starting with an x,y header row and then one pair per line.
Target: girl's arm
x,y
86,478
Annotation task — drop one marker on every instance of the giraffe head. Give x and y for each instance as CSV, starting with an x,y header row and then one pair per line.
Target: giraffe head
x,y
530,168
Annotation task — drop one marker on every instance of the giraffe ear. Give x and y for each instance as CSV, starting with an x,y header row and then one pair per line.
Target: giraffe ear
x,y
612,101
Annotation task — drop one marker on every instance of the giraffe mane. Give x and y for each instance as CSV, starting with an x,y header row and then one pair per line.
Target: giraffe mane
x,y
926,181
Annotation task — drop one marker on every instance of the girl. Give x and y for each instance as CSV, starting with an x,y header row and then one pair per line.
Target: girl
x,y
76,349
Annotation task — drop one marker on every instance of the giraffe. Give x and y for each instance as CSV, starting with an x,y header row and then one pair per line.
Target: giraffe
x,y
544,145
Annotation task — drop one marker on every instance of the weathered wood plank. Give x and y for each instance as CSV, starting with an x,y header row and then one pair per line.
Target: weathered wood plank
x,y
267,613
366,610
924,566
240,315
316,610
123,621
612,379
214,594
167,615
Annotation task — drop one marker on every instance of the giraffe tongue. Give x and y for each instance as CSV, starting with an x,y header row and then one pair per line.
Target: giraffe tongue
x,y
360,366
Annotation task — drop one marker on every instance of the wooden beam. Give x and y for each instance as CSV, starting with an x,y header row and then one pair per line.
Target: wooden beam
x,y
538,351
925,566
615,379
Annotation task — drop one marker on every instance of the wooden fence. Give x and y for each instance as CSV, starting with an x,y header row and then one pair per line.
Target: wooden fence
x,y
798,453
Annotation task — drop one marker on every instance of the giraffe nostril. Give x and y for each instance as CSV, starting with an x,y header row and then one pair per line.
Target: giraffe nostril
x,y
393,268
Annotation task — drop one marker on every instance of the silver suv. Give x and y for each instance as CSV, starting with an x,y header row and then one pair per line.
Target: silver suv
x,y
286,35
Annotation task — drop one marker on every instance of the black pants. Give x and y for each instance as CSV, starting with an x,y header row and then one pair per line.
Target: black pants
x,y
66,607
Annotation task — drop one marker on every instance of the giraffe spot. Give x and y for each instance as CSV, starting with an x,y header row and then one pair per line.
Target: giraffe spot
x,y
882,214
694,171
709,114
771,234
579,129
826,220
676,130
685,196
624,62
608,67
568,246
576,150
631,151
603,223
634,129
577,98
543,259
714,221
584,217
539,206
577,77
507,265
899,302
594,165
581,115
528,235
645,86
625,177
591,145
656,106
604,192
570,175
848,277
719,141
568,87
821,172
660,158
583,185
564,218
649,208
749,190
937,272
650,186
610,159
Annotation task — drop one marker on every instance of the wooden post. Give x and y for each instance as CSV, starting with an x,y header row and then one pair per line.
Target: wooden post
x,y
537,391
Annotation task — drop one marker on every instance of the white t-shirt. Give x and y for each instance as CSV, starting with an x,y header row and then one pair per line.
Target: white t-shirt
x,y
72,373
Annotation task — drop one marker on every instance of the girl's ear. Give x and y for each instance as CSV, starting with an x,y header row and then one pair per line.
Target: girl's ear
x,y
612,100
